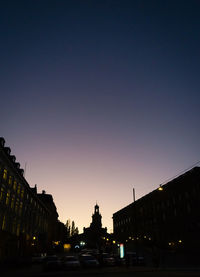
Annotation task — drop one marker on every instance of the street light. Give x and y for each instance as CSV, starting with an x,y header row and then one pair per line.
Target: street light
x,y
160,188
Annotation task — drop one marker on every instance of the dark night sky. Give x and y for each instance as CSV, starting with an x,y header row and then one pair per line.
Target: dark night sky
x,y
98,97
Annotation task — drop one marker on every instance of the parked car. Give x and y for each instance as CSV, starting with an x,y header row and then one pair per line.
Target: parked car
x,y
70,262
87,260
119,261
51,263
37,258
107,259
140,260
132,258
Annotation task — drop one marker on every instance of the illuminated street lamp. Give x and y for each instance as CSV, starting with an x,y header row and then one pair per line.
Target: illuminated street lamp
x,y
160,188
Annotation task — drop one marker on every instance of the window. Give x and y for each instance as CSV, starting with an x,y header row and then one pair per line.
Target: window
x,y
188,208
2,194
22,194
168,203
4,223
18,229
164,217
15,185
186,194
5,174
10,180
14,227
16,206
7,197
18,189
20,208
12,202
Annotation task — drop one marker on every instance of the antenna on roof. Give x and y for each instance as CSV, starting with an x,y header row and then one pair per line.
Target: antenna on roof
x,y
25,169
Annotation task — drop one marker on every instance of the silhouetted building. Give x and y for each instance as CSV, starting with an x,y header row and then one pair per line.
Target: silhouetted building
x,y
168,218
93,237
47,199
95,233
26,218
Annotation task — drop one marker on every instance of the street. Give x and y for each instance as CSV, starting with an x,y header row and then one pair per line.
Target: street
x,y
36,271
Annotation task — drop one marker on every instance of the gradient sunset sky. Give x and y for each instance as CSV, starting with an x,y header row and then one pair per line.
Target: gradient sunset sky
x,y
99,96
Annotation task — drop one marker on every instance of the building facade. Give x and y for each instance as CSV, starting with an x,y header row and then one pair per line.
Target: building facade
x,y
168,217
25,219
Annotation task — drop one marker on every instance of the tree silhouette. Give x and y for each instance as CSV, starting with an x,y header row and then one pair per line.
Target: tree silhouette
x,y
71,228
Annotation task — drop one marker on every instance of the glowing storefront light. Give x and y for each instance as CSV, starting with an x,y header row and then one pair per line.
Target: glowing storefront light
x,y
56,242
121,251
67,246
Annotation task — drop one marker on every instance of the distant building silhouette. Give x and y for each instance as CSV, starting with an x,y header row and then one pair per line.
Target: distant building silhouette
x,y
96,220
94,234
94,237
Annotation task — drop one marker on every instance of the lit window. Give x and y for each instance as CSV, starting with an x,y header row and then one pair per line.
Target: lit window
x,y
18,189
20,208
15,185
22,193
4,223
7,198
10,180
12,203
2,194
5,174
18,229
16,206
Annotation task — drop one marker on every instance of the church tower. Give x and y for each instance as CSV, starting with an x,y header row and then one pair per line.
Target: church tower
x,y
93,235
96,218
